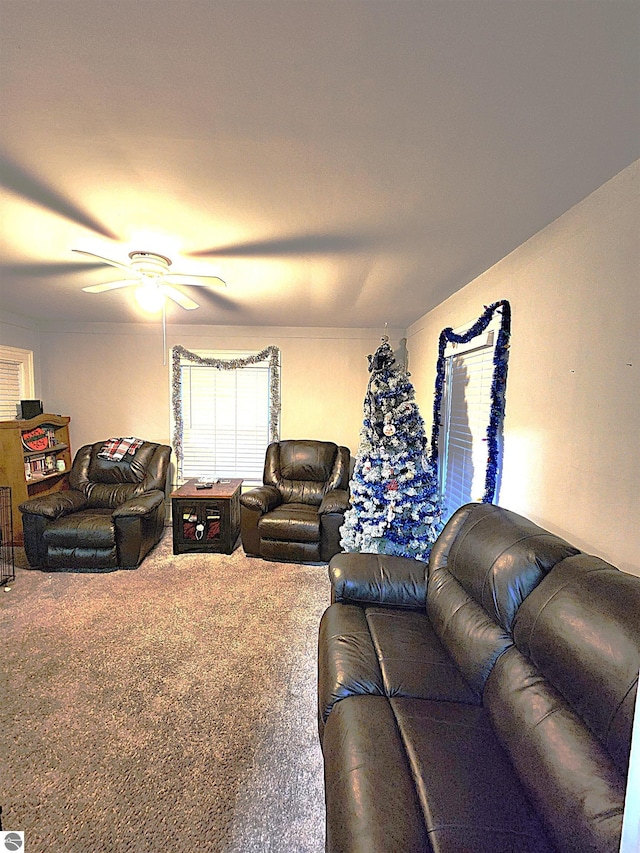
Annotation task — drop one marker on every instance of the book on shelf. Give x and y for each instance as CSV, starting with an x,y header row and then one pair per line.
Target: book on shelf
x,y
40,466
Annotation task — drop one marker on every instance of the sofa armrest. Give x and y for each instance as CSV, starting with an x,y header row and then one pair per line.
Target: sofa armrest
x,y
142,505
378,579
337,500
54,505
263,499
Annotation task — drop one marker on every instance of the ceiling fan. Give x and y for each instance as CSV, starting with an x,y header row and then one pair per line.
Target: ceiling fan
x,y
150,272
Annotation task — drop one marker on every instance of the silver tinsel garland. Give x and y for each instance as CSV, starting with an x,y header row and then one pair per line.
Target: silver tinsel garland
x,y
270,354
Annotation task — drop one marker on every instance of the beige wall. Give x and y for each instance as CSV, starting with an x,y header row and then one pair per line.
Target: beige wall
x,y
572,446
112,381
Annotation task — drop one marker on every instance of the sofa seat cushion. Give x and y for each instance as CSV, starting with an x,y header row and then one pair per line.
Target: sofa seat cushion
x,y
412,659
88,526
291,522
383,652
371,801
417,775
468,789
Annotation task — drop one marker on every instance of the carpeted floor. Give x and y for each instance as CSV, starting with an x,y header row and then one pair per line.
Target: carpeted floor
x,y
168,708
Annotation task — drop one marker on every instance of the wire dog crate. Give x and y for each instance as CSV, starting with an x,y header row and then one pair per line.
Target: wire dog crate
x,y
7,563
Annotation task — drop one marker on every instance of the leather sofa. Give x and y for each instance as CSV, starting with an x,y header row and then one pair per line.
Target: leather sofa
x,y
110,517
296,515
485,708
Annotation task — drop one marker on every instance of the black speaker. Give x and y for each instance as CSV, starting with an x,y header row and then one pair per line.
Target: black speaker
x,y
30,409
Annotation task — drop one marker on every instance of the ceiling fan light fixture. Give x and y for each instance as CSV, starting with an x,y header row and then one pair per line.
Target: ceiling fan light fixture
x,y
149,273
149,263
149,297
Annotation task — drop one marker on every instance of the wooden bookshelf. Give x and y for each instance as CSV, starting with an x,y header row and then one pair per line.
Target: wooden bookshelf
x,y
31,471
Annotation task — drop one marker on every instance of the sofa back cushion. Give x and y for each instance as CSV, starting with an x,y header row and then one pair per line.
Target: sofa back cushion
x,y
484,564
567,773
581,630
561,700
304,470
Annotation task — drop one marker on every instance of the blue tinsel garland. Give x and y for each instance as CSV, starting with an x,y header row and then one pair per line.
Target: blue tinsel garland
x,y
498,386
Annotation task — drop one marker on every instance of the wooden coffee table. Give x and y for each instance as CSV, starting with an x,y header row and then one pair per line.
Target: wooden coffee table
x,y
206,520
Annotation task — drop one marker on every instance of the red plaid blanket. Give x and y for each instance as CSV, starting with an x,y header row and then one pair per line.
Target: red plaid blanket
x,y
116,449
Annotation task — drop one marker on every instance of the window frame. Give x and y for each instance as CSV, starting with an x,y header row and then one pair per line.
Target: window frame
x,y
227,361
472,360
500,310
24,359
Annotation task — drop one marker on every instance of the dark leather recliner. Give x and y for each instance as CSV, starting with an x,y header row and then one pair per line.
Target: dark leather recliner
x,y
110,518
297,514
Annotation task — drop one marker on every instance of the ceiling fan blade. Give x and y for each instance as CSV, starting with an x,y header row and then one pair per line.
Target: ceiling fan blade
x,y
194,280
110,285
20,182
181,298
112,263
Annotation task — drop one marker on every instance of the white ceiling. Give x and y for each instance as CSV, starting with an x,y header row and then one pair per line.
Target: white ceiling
x,y
338,162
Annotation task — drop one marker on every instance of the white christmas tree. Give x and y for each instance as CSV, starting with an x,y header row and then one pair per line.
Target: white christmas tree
x,y
395,508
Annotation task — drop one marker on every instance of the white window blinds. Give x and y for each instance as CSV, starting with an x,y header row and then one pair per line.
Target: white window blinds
x,y
225,419
16,380
466,414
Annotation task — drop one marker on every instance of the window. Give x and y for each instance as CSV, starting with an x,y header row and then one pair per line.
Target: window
x,y
466,413
16,380
466,441
226,411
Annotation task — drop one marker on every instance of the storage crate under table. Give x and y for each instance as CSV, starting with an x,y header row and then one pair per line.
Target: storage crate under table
x,y
206,520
